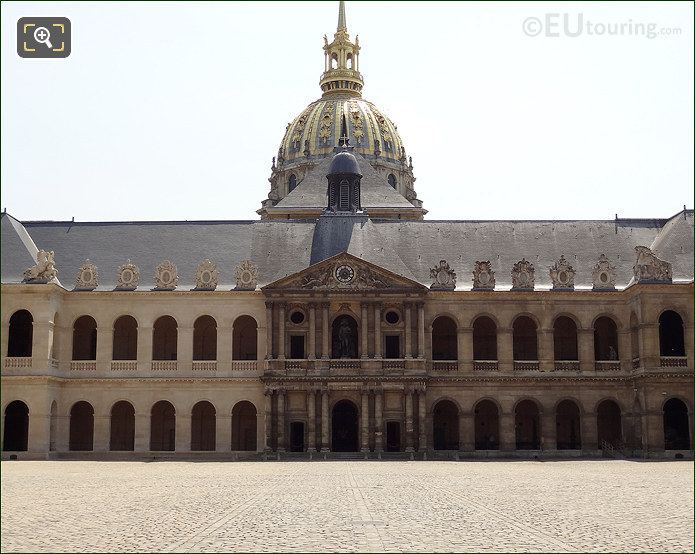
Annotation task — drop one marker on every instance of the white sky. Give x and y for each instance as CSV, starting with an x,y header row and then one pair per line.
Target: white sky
x,y
174,110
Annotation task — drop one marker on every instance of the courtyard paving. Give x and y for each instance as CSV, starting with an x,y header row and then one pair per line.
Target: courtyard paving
x,y
587,506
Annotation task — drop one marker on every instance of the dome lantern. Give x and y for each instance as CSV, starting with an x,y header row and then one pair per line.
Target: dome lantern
x,y
341,61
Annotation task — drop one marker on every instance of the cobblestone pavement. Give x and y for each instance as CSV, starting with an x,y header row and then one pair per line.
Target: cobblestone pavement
x,y
589,506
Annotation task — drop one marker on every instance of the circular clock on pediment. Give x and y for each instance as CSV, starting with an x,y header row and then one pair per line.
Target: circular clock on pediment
x,y
344,273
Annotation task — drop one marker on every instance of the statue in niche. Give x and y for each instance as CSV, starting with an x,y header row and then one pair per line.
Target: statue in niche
x,y
344,337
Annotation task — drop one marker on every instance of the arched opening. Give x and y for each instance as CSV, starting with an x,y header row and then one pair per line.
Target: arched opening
x,y
125,338
15,437
122,426
334,61
53,428
671,338
84,339
484,339
568,426
609,424
445,426
345,426
345,337
565,339
291,183
527,425
634,336
244,429
349,61
676,428
487,424
20,334
244,338
444,339
164,338
205,338
392,180
605,339
203,426
525,339
82,426
163,427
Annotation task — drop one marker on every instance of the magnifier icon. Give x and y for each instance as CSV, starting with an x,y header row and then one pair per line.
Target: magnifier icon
x,y
42,35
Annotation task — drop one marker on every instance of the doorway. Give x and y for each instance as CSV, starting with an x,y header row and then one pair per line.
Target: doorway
x,y
297,436
393,436
345,427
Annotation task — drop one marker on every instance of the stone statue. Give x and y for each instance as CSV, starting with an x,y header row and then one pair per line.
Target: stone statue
x,y
345,339
612,354
44,270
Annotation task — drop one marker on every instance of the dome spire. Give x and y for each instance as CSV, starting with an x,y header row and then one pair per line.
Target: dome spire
x,y
341,61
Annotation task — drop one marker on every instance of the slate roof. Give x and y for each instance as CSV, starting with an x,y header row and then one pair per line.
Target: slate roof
x,y
407,248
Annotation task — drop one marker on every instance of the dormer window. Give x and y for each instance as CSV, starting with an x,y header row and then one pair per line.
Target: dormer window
x,y
291,183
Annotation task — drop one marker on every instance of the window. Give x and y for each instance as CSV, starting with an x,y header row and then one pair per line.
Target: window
x,y
292,183
392,180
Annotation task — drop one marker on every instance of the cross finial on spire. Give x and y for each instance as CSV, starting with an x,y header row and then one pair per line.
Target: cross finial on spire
x,y
341,17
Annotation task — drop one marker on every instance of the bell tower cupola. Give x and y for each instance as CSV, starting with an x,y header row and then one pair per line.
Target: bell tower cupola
x,y
341,69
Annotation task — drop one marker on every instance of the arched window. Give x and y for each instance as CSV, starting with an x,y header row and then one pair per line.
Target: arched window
x,y
15,436
487,434
205,338
568,428
484,339
676,427
565,339
334,61
445,426
122,426
444,339
84,339
671,341
125,338
349,61
203,426
244,430
392,180
525,339
605,339
609,424
20,334
163,427
527,423
291,183
82,426
164,338
244,338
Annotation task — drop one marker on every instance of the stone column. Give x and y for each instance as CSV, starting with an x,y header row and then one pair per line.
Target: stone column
x,y
63,438
466,432
379,420
422,420
223,433
281,420
409,420
548,430
325,446
589,432
311,402
505,349
625,349
377,330
364,420
39,432
325,337
281,332
104,348
102,432
507,432
268,414
184,349
408,332
650,339
546,350
465,348
689,334
224,345
42,332
183,432
421,330
312,331
142,431
269,330
585,343
364,329
144,350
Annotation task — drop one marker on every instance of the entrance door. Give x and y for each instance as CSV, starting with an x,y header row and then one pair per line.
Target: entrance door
x,y
393,436
297,436
392,345
345,426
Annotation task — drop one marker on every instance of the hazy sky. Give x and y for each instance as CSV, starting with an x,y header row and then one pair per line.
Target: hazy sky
x,y
174,110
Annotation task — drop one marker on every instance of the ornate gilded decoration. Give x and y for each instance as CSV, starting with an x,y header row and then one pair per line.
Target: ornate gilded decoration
x,y
483,276
87,277
523,275
650,269
246,276
166,276
128,276
44,270
443,277
603,274
562,275
206,276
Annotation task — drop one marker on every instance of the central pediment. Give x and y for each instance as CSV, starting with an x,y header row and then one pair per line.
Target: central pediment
x,y
344,273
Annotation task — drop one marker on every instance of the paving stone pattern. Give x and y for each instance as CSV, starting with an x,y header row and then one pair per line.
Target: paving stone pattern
x,y
346,506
